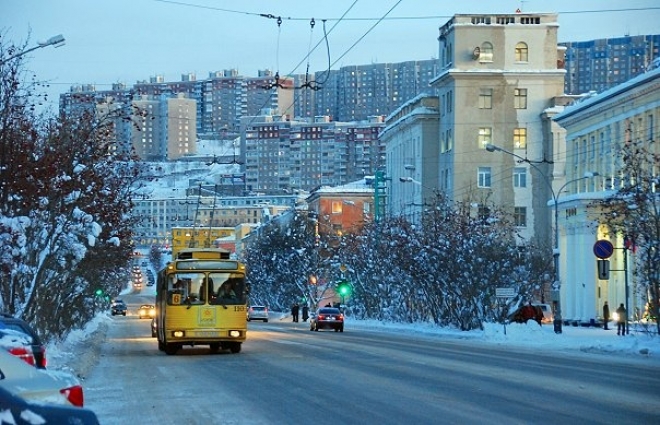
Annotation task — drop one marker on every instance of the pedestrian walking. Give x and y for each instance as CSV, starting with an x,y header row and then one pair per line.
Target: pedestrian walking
x,y
294,312
606,316
621,320
305,313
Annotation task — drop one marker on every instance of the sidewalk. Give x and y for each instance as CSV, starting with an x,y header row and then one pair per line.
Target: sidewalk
x,y
639,343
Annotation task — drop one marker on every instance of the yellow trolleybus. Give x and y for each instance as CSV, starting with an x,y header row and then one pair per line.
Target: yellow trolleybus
x,y
201,300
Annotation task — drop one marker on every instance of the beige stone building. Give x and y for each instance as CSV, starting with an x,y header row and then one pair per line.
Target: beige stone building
x,y
498,74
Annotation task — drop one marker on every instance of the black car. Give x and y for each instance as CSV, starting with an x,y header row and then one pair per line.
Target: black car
x,y
119,307
16,410
327,318
38,349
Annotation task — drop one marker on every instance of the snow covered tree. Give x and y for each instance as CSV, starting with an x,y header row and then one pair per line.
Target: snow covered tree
x,y
280,260
65,207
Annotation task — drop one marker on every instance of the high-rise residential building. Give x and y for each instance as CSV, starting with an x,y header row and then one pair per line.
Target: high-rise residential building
x,y
268,92
498,74
148,137
598,65
357,92
285,156
181,127
223,95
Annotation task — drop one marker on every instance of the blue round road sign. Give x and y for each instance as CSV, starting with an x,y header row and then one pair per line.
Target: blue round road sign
x,y
603,249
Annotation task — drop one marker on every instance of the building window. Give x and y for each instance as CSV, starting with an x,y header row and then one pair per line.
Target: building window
x,y
521,52
449,140
520,98
520,138
485,136
336,207
520,216
520,177
486,52
486,99
483,177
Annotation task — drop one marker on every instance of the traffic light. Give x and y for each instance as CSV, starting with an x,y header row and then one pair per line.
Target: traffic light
x,y
343,288
99,292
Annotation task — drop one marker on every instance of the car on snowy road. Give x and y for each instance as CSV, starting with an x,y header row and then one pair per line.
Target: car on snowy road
x,y
118,307
257,312
147,311
327,318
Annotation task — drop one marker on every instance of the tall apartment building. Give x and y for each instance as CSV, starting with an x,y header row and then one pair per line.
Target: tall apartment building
x,y
223,94
357,92
498,75
598,65
148,136
181,127
284,156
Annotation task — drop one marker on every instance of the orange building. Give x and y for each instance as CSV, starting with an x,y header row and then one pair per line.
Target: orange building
x,y
343,209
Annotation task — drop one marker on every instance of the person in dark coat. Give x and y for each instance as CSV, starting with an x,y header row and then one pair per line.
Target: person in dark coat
x,y
305,313
294,312
606,315
621,320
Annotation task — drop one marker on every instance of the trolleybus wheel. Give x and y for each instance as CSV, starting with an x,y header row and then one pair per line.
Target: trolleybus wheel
x,y
171,349
214,347
235,347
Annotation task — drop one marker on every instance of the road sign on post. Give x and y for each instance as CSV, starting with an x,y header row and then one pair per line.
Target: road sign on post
x,y
603,249
603,269
504,293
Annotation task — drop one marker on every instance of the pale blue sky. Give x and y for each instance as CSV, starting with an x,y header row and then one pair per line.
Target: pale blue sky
x,y
130,40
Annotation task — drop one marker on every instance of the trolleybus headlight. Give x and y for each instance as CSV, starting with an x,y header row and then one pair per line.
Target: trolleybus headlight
x,y
178,334
234,334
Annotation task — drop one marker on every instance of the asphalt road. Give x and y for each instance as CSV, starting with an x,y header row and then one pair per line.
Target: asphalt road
x,y
286,374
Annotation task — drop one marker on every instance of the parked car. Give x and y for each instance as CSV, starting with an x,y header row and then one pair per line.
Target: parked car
x,y
17,410
147,311
528,312
257,312
119,307
39,385
548,316
22,341
327,318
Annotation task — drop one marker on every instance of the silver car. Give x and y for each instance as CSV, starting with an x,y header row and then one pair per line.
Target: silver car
x,y
258,312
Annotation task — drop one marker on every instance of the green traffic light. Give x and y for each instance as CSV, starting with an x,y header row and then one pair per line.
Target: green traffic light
x,y
344,288
99,292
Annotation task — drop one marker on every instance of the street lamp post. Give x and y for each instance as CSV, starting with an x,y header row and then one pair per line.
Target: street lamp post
x,y
55,41
556,285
